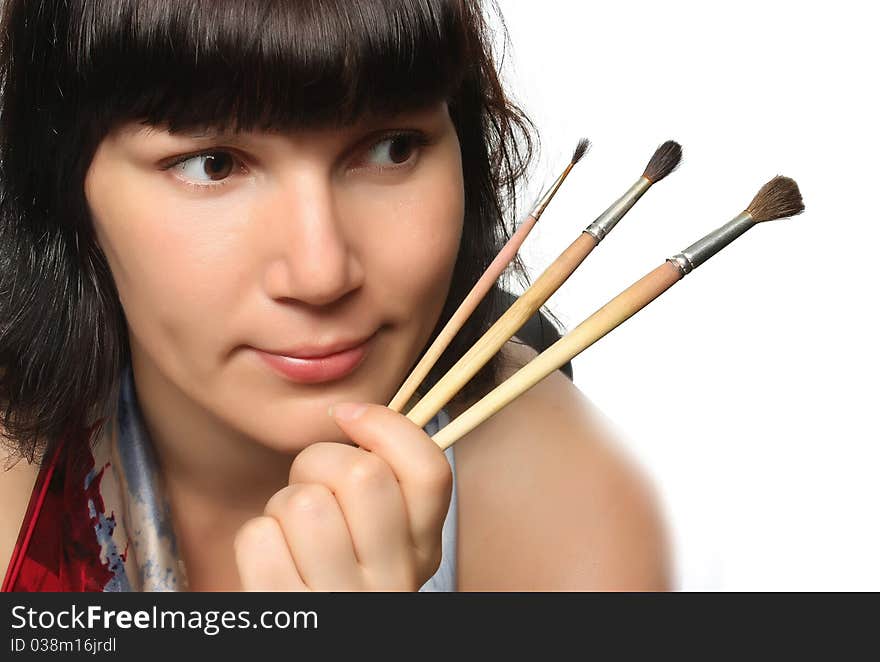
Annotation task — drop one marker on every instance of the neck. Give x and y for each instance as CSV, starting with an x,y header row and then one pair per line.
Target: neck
x,y
201,456
214,478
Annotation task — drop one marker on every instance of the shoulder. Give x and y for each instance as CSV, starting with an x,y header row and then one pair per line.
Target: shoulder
x,y
17,480
549,501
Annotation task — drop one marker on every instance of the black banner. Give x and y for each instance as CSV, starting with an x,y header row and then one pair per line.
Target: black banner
x,y
134,626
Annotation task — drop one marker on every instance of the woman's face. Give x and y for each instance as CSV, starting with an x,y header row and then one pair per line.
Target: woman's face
x,y
230,252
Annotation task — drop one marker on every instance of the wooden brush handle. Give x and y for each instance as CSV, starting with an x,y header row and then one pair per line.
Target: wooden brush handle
x,y
608,317
467,307
500,332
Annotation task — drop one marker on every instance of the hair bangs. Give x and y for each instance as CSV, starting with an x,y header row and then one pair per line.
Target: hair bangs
x,y
265,64
72,70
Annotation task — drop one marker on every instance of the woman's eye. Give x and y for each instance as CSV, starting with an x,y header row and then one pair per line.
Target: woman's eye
x,y
396,150
208,167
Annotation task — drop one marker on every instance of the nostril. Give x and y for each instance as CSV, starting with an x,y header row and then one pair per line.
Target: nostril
x,y
316,280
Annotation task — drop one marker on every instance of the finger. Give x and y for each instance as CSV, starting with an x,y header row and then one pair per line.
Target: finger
x,y
371,503
421,468
263,558
317,536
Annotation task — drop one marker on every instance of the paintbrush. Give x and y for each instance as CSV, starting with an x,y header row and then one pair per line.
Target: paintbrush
x,y
778,198
482,287
665,159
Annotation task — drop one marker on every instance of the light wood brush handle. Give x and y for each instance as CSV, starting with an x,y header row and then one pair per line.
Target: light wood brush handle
x,y
484,284
467,307
500,332
608,317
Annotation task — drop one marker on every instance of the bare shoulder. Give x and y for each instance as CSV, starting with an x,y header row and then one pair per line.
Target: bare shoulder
x,y
549,501
17,480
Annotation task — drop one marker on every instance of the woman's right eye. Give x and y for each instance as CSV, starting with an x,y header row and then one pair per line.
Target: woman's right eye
x,y
208,169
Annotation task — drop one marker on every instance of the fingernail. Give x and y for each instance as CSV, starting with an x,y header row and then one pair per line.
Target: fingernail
x,y
347,411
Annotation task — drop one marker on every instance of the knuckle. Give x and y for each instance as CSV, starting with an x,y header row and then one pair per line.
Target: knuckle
x,y
308,498
305,458
277,502
255,532
367,472
437,476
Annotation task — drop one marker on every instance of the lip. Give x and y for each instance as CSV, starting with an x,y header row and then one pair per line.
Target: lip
x,y
313,365
320,351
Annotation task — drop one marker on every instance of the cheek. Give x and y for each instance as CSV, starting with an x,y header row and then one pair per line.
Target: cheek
x,y
175,267
413,241
417,261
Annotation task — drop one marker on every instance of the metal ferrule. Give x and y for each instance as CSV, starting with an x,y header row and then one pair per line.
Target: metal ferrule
x,y
541,204
700,251
609,218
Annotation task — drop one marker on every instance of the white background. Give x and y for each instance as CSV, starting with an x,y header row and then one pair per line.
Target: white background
x,y
748,392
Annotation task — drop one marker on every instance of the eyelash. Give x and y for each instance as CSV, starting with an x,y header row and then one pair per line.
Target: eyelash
x,y
419,139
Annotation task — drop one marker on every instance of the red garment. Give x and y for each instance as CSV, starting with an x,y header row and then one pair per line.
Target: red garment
x,y
57,547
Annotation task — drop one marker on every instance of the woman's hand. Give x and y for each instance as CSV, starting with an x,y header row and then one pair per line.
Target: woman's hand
x,y
353,519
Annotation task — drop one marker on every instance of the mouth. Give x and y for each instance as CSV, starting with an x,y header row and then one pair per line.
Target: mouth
x,y
317,364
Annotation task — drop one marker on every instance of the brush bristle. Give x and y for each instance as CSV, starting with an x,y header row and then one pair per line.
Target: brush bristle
x,y
778,198
665,160
581,149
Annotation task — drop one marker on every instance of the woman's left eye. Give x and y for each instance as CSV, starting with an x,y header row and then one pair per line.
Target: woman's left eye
x,y
396,150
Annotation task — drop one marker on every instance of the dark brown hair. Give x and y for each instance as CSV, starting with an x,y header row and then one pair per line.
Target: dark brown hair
x,y
73,69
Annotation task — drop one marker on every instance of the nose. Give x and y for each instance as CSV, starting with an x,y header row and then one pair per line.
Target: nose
x,y
312,259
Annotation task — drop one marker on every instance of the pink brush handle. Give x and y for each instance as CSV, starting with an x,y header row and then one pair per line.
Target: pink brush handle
x,y
467,307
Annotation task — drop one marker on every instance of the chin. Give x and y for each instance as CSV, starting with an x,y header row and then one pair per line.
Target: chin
x,y
293,429
288,417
